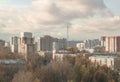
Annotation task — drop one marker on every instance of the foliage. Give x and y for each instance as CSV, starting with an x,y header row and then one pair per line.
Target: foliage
x,y
71,69
7,55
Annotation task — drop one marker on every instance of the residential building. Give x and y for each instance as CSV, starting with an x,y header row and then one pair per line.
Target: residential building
x,y
2,44
80,46
103,41
88,45
62,43
109,61
14,44
58,56
26,46
73,43
112,44
46,43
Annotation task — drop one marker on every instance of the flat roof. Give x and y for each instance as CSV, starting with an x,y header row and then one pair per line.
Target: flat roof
x,y
100,56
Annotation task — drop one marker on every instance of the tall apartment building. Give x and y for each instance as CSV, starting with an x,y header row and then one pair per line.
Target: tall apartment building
x,y
112,44
26,44
62,43
46,43
103,41
14,44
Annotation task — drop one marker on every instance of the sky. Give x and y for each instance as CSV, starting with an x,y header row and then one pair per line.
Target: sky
x,y
87,19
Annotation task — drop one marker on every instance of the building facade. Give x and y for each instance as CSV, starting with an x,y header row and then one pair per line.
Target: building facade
x,y
112,44
26,44
73,43
2,44
14,44
88,44
109,61
46,43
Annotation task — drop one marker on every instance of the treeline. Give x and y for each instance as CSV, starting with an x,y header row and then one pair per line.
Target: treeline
x,y
71,69
4,54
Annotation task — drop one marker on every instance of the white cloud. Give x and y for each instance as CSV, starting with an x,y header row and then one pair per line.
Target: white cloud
x,y
50,17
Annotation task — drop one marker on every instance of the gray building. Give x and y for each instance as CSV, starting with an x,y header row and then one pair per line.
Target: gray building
x,y
26,46
2,44
46,43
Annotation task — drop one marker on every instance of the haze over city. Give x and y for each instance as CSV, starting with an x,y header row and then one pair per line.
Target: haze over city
x,y
91,18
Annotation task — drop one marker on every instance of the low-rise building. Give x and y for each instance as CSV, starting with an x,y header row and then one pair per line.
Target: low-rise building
x,y
109,61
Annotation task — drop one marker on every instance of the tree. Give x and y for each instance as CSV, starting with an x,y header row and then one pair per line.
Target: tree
x,y
77,74
23,76
73,49
101,76
54,72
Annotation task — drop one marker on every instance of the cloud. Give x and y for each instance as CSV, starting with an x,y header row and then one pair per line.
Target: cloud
x,y
50,17
92,28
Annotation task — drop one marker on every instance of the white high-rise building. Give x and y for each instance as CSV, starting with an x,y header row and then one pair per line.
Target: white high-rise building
x,y
14,44
26,44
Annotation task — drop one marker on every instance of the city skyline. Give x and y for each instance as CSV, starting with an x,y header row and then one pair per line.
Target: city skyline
x,y
89,19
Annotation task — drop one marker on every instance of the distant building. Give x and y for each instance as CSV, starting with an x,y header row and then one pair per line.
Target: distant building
x,y
46,43
103,41
26,44
81,46
7,46
2,44
59,55
62,43
73,43
109,61
14,44
111,43
88,45
99,49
